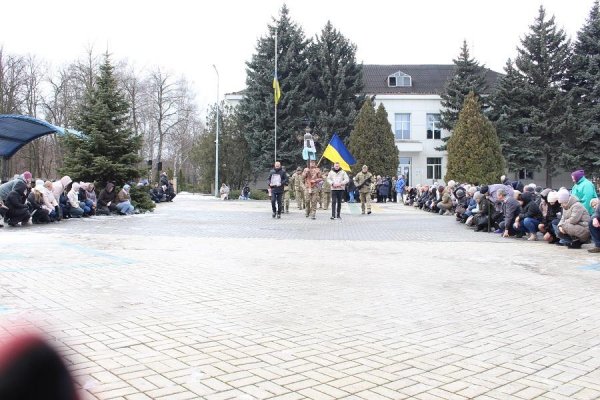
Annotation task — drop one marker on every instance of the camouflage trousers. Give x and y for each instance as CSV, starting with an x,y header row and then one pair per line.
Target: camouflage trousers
x,y
300,198
312,200
365,201
325,199
286,201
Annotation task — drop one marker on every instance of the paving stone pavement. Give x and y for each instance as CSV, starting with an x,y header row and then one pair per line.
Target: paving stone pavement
x,y
205,299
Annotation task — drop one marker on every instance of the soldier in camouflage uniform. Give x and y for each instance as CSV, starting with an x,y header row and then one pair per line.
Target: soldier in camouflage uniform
x,y
297,186
363,181
312,182
286,198
325,197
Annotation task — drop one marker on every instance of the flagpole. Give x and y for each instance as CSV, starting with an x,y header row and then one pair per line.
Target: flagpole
x,y
320,159
275,102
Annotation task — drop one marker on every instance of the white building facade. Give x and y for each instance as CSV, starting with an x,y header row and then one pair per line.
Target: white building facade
x,y
411,97
415,123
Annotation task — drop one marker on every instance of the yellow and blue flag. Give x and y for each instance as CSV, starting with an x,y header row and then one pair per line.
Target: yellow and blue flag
x,y
337,152
276,89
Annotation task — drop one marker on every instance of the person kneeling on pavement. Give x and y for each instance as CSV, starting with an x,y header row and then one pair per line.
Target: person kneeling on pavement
x,y
18,211
157,194
510,209
50,201
573,226
37,207
594,226
78,208
124,201
529,218
106,200
445,206
170,191
552,212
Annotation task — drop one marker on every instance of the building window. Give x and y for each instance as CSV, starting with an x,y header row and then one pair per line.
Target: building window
x,y
434,168
434,131
402,126
399,79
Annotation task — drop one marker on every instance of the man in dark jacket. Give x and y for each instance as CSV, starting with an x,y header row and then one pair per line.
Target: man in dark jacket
x,y
170,191
164,179
106,199
18,211
9,186
530,216
511,209
277,180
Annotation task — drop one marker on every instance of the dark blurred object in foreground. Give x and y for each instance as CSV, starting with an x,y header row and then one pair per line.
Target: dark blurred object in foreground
x,y
32,370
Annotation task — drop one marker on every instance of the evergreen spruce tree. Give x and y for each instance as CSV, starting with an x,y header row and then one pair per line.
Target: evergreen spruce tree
x,y
372,141
385,145
335,84
468,77
140,198
107,150
585,92
474,153
543,60
508,113
257,106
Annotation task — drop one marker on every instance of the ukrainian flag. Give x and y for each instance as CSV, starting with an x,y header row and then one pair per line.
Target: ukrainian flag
x,y
276,89
337,152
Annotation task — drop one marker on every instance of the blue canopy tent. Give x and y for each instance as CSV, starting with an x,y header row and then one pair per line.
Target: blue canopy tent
x,y
18,130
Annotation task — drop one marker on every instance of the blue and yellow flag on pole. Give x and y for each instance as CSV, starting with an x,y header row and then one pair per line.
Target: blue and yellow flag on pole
x,y
337,152
276,89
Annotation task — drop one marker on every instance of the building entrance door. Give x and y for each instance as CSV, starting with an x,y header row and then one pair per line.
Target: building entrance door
x,y
404,168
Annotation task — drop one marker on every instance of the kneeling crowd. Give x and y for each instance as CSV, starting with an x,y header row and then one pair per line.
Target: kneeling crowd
x,y
560,217
47,201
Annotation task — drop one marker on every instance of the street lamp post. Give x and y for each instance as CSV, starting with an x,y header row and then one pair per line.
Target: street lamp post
x,y
217,139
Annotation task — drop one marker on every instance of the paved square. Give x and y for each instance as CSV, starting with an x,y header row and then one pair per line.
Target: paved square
x,y
205,299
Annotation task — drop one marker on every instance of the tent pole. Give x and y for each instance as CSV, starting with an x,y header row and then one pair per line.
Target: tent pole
x,y
4,176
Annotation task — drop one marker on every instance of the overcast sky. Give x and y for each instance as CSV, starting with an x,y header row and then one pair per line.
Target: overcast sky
x,y
187,37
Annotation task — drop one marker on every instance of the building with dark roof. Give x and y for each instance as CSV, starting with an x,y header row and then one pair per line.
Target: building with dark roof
x,y
424,79
411,97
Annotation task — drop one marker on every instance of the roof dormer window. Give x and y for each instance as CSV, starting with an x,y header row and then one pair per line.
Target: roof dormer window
x,y
399,79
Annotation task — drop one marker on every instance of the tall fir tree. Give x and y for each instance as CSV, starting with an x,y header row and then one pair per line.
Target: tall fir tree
x,y
543,61
474,153
468,77
508,113
257,106
363,137
584,149
107,150
335,84
385,145
372,141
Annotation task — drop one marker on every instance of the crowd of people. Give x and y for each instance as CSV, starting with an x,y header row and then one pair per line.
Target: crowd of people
x,y
163,190
314,188
23,199
512,209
